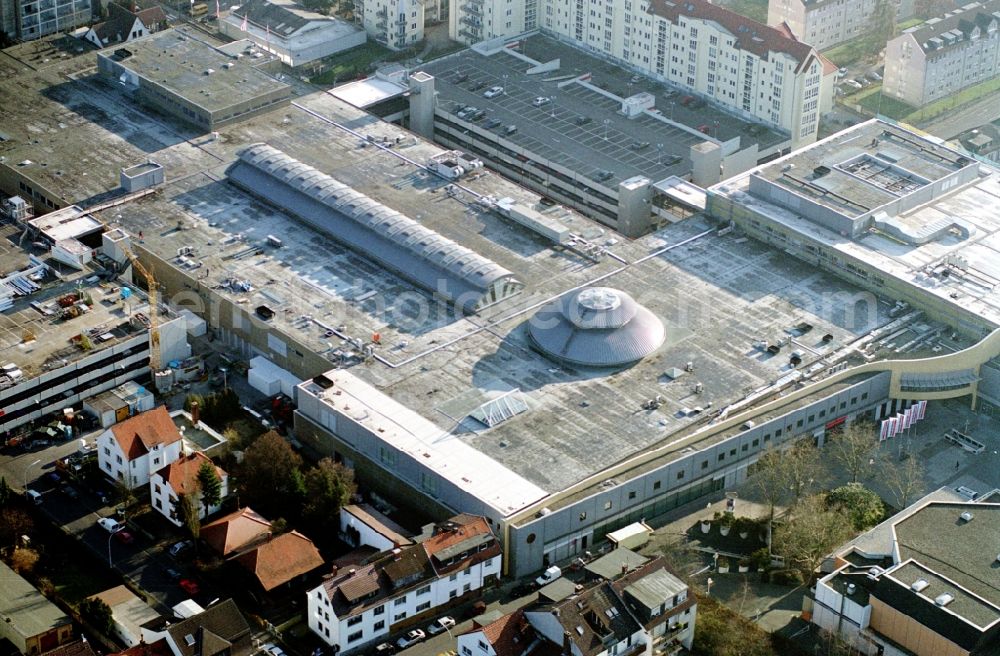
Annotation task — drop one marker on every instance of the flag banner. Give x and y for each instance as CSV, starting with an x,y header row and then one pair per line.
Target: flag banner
x,y
908,415
921,409
897,425
883,430
244,26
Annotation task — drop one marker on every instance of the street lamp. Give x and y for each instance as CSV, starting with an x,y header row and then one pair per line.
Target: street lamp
x,y
109,550
607,122
553,103
25,477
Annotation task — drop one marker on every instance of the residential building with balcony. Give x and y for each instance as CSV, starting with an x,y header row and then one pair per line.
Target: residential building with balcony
x,y
396,24
358,606
31,19
938,58
826,23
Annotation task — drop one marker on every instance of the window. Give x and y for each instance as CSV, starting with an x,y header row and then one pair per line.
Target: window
x,y
607,505
704,464
400,601
732,452
631,495
379,610
722,456
483,646
656,485
354,621
466,651
424,590
453,577
452,594
379,625
864,396
466,588
680,475
354,637
400,616
424,606
756,441
107,451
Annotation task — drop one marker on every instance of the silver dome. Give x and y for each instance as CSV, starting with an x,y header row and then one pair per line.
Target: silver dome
x,y
596,327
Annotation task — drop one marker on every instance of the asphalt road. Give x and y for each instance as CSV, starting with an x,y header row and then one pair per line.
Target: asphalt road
x,y
145,561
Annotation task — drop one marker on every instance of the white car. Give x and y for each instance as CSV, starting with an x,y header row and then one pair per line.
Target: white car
x,y
441,625
271,649
179,547
842,71
110,524
411,638
539,101
854,84
493,92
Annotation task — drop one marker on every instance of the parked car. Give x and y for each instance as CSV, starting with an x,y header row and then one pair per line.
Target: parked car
x,y
862,81
272,649
539,101
180,547
549,575
477,86
635,78
854,84
110,524
874,75
492,123
461,77
384,649
191,587
124,536
842,71
441,625
71,492
493,92
604,175
704,128
173,574
411,638
582,120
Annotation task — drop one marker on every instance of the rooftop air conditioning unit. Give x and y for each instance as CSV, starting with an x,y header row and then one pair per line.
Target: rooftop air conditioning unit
x,y
966,516
944,599
919,585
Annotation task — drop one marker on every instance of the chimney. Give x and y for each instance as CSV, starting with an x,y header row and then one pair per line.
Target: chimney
x,y
624,568
195,413
567,644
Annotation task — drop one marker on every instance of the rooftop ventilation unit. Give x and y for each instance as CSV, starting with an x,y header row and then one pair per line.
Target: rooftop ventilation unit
x,y
966,516
944,599
851,588
189,640
919,585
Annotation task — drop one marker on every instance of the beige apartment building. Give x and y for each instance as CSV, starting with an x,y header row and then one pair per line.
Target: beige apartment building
x,y
396,24
752,69
944,55
824,24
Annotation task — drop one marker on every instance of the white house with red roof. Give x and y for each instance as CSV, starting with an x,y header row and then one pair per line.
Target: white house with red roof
x,y
131,451
181,477
405,586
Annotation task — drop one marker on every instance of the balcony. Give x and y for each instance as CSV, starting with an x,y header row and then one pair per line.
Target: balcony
x,y
471,21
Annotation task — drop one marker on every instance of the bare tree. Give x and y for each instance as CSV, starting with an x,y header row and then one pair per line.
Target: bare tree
x,y
852,450
769,479
805,469
904,479
812,531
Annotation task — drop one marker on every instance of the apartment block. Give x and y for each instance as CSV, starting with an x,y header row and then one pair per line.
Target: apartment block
x,y
944,55
826,23
396,24
31,19
357,606
751,69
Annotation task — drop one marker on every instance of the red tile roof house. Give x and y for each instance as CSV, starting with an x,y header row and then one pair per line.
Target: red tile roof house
x,y
358,606
131,451
246,539
181,477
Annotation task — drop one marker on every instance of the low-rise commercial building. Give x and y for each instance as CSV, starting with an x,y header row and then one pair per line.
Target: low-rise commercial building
x,y
32,623
190,80
294,34
919,583
946,54
401,587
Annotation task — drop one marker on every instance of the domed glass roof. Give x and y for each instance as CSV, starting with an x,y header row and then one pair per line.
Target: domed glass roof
x,y
596,327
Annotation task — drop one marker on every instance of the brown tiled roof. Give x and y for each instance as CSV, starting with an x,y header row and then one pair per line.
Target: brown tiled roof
x,y
594,614
78,648
158,648
281,559
750,35
152,17
137,435
462,534
214,631
182,474
227,534
353,590
510,635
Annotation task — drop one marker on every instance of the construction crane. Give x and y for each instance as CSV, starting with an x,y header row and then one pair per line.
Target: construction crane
x,y
154,328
